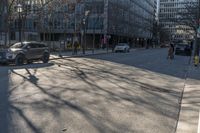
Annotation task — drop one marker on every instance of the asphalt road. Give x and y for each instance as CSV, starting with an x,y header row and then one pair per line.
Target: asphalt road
x,y
136,92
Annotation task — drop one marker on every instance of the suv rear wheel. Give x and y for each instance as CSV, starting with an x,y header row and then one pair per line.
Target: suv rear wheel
x,y
45,58
19,60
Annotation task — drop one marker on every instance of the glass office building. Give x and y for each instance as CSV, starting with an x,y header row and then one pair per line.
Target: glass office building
x,y
116,20
2,21
169,14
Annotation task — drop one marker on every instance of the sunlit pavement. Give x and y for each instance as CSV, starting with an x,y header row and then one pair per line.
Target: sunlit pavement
x,y
189,120
67,54
115,93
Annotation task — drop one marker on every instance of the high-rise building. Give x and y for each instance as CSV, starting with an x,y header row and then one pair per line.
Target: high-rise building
x,y
3,11
169,13
114,20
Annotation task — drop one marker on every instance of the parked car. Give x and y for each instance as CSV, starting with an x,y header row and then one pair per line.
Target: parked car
x,y
22,52
122,47
183,49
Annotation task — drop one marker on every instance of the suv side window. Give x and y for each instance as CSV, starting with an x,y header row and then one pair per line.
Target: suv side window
x,y
37,45
41,45
32,45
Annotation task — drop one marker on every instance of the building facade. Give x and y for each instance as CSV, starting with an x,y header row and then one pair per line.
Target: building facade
x,y
95,20
25,21
169,13
3,11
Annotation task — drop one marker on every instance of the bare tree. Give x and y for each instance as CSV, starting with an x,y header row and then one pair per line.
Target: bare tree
x,y
163,34
55,13
6,13
188,16
45,10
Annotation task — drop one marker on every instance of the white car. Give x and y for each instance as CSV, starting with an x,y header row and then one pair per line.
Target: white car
x,y
122,47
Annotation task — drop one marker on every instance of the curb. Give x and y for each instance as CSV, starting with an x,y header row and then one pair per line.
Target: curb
x,y
182,92
75,56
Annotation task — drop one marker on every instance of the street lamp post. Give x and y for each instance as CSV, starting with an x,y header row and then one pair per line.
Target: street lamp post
x,y
86,14
83,36
19,10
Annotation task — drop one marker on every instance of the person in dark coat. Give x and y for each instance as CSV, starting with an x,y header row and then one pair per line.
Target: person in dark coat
x,y
75,47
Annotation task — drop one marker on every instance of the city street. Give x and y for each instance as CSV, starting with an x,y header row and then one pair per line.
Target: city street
x,y
136,92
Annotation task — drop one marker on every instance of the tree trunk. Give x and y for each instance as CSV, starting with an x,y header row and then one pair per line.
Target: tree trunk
x,y
44,38
93,43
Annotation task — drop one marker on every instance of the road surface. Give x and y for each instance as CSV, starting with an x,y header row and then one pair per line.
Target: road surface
x,y
136,92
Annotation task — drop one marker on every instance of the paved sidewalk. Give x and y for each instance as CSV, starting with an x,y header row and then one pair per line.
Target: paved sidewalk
x,y
190,107
55,55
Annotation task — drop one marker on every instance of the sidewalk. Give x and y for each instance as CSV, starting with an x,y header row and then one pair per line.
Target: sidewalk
x,y
55,55
190,108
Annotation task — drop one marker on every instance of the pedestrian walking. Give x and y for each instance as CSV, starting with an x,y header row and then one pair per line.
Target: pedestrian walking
x,y
196,60
75,48
113,47
171,52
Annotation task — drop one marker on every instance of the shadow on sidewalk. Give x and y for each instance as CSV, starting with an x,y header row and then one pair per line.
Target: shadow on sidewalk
x,y
10,113
127,94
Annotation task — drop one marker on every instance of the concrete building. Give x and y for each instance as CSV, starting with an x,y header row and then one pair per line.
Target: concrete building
x,y
3,29
169,11
92,21
25,22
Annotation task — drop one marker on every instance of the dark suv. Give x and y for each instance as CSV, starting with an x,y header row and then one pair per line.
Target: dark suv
x,y
25,51
183,49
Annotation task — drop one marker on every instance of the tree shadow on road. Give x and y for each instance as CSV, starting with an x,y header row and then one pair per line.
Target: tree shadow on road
x,y
87,73
100,94
7,107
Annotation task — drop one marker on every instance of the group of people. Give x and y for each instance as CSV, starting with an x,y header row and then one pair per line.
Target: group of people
x,y
74,46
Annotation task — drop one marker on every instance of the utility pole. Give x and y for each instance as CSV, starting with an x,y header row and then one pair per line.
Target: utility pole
x,y
85,23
